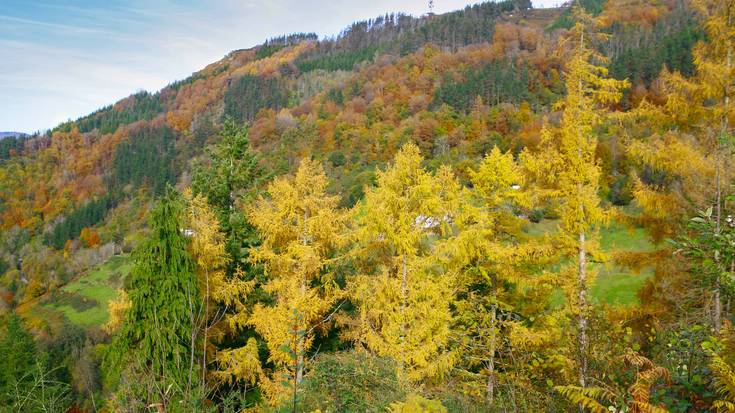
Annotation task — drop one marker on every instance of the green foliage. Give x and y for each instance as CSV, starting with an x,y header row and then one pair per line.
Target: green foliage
x,y
496,82
683,352
145,159
230,172
12,146
342,60
71,226
674,51
267,50
403,34
165,300
18,359
140,106
247,95
351,382
566,19
711,248
44,393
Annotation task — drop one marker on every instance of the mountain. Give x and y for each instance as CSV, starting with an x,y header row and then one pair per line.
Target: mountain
x,y
12,134
461,120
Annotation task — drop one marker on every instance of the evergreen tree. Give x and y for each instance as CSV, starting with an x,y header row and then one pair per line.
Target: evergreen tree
x,y
158,331
17,362
230,173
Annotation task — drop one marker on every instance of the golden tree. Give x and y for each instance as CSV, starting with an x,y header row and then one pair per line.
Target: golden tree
x,y
404,296
569,169
207,248
301,228
695,149
495,258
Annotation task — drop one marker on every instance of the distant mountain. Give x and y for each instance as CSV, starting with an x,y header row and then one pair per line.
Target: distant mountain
x,y
4,135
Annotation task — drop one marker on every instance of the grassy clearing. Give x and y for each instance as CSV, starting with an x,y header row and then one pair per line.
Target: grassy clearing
x,y
84,301
614,285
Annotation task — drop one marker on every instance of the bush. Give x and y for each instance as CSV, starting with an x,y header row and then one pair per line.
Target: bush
x,y
351,382
337,159
417,404
620,192
536,215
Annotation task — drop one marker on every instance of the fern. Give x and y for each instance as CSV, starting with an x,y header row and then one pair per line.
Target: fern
x,y
724,383
647,374
587,397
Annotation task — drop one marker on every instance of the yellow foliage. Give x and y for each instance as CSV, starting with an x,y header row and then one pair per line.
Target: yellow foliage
x,y
301,229
417,404
116,308
404,296
724,383
240,364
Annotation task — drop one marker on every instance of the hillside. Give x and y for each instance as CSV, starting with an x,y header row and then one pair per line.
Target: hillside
x,y
433,190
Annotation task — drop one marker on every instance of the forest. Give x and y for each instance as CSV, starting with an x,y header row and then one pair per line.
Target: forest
x,y
497,209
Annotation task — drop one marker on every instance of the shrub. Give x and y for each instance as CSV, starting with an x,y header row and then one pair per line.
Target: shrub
x,y
351,382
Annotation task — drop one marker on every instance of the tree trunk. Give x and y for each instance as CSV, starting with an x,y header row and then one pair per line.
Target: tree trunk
x,y
717,311
491,350
206,327
583,340
404,291
300,346
300,350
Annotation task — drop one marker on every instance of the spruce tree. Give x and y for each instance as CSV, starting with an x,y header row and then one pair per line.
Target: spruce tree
x,y
159,329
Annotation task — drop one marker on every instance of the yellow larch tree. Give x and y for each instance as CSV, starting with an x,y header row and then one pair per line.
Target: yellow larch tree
x,y
301,229
402,292
711,92
495,258
569,168
696,147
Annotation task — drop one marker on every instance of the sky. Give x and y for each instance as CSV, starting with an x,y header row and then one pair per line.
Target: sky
x,y
62,59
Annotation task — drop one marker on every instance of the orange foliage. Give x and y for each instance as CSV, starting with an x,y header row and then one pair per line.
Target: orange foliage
x,y
89,237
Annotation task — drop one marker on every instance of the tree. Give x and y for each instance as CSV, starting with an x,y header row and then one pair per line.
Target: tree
x,y
301,229
571,170
697,118
231,173
714,88
207,248
404,295
497,282
158,333
18,360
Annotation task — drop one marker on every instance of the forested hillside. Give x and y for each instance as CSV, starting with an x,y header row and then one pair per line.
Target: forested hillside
x,y
497,209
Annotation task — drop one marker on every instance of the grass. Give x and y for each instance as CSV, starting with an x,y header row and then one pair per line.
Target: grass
x,y
84,301
614,285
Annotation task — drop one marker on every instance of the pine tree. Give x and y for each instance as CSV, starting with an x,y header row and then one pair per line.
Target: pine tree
x,y
404,296
231,173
